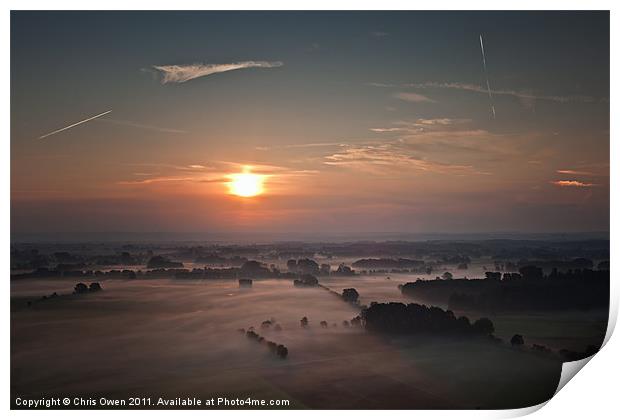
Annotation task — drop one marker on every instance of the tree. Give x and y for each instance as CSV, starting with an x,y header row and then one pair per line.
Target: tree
x,y
306,280
343,270
531,272
304,322
159,261
517,340
80,288
447,276
307,266
254,269
484,326
350,295
282,351
493,275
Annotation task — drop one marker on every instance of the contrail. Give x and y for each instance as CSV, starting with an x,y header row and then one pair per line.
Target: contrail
x,y
486,75
73,125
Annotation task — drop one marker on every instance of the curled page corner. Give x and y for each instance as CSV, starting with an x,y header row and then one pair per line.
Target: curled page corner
x,y
570,369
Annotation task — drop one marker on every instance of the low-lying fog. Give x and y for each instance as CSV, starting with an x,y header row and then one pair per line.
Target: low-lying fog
x,y
179,339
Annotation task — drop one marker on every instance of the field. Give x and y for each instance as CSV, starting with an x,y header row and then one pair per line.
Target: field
x,y
174,338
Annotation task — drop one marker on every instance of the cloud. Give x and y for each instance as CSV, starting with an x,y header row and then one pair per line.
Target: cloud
x,y
216,172
526,96
298,146
421,124
143,126
181,73
573,172
387,157
412,97
387,130
577,184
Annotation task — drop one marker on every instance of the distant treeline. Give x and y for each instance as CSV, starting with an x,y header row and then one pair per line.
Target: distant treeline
x,y
400,318
529,289
164,268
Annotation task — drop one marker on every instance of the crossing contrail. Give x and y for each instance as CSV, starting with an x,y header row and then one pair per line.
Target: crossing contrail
x,y
486,75
73,125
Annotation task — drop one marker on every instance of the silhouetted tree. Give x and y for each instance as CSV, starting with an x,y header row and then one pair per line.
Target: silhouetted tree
x,y
159,261
80,288
343,270
304,322
307,266
254,269
493,276
446,276
306,280
484,326
350,295
517,340
282,351
531,272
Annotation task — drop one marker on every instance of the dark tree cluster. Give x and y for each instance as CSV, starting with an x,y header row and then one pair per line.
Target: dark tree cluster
x,y
350,295
279,350
81,288
306,280
570,355
159,261
216,259
44,298
254,269
344,270
530,289
517,340
400,318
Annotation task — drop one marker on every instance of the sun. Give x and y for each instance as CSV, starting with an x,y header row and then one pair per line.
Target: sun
x,y
246,184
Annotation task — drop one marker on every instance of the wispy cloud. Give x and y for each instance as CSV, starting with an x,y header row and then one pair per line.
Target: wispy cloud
x,y
143,126
216,172
573,172
412,97
388,157
299,146
181,73
527,96
421,124
576,184
520,94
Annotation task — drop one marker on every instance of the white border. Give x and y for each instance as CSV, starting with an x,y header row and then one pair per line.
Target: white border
x,y
592,394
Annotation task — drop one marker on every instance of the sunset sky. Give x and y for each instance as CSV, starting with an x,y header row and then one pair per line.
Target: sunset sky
x,y
353,122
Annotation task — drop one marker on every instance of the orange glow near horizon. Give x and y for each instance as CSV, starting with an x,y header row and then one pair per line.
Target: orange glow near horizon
x,y
246,184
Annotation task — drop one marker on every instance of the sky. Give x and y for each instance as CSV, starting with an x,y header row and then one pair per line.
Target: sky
x,y
350,121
